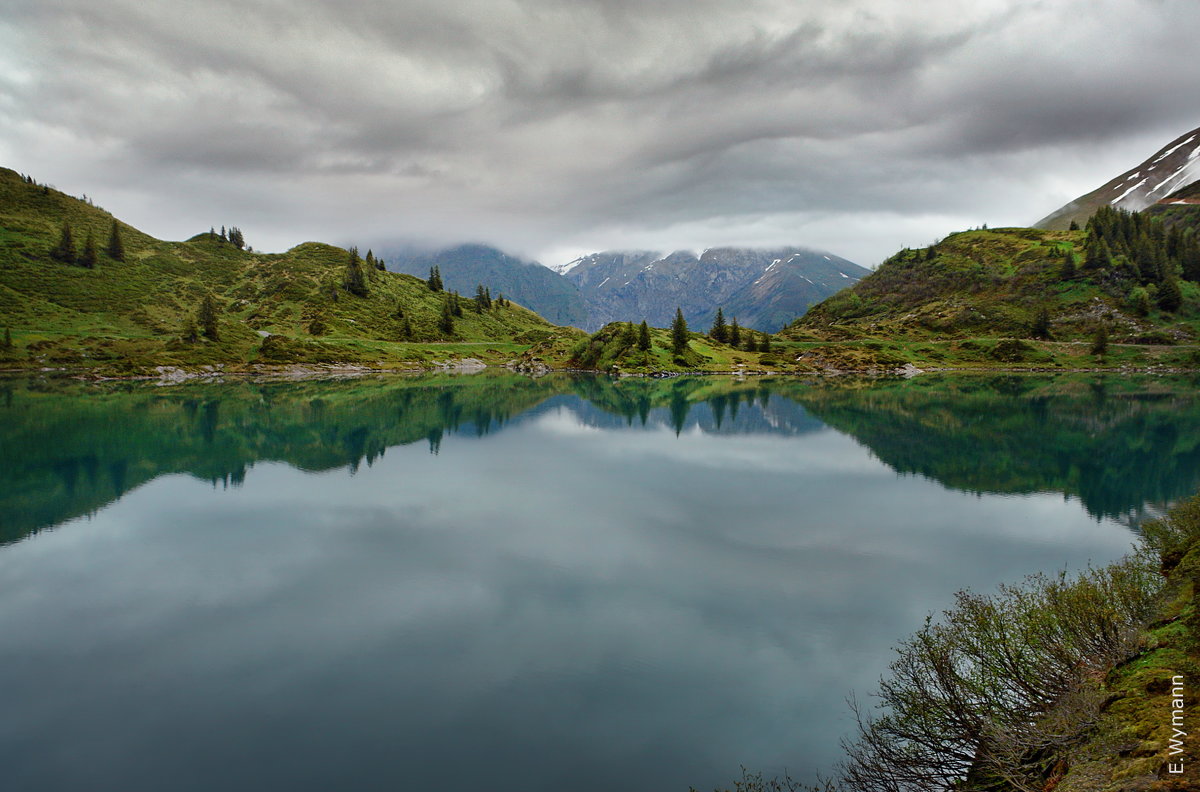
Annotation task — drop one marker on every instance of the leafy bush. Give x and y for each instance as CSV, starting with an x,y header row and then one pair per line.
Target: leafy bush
x,y
998,688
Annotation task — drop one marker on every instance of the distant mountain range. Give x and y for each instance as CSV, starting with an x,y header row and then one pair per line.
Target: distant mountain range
x,y
1170,169
764,289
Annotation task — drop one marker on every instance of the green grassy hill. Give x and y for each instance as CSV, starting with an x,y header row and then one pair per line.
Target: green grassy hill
x,y
995,283
1026,296
294,307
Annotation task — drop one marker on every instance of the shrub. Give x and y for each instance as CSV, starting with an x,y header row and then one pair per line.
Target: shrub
x,y
997,688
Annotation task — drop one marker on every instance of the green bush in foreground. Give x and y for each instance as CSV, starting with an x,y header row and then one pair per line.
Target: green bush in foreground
x,y
998,693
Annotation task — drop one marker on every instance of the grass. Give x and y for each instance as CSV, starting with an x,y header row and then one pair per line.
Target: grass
x,y
127,316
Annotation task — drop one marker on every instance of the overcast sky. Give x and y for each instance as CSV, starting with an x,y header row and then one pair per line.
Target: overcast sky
x,y
557,127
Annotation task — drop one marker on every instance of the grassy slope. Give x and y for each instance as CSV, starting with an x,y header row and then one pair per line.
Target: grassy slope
x,y
130,315
955,305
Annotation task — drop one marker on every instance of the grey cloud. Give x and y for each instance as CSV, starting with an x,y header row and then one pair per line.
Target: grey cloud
x,y
537,124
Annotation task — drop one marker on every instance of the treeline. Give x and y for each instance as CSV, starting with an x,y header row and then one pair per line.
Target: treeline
x,y
736,336
67,252
623,342
1143,251
233,236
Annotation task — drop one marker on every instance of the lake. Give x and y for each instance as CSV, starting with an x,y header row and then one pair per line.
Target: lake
x,y
494,582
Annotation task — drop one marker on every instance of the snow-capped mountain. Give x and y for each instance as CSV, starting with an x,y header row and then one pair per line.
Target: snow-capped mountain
x,y
1172,167
764,289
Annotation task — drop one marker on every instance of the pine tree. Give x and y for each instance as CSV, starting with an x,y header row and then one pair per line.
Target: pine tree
x,y
455,304
435,279
206,317
628,336
1100,342
65,250
751,341
1068,270
644,337
116,250
223,237
356,280
236,238
446,321
487,296
1074,226
1041,325
735,333
719,332
479,299
1170,297
406,331
765,346
90,257
679,333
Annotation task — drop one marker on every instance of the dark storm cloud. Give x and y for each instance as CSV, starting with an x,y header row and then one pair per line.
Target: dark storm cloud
x,y
544,125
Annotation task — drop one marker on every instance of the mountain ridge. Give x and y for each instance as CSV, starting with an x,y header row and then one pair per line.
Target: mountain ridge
x,y
1139,187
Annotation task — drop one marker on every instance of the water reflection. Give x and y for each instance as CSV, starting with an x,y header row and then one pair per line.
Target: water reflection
x,y
1116,444
496,582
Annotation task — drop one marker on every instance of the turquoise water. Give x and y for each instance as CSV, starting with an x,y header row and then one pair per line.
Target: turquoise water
x,y
501,583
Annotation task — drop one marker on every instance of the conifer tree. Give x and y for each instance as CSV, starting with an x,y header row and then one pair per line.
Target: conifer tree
x,y
629,336
90,257
679,333
1100,342
1170,297
455,304
644,337
479,298
206,317
356,280
1068,270
64,251
1074,226
435,279
223,237
406,331
487,296
116,250
446,321
751,341
1041,325
719,332
236,238
735,333
765,346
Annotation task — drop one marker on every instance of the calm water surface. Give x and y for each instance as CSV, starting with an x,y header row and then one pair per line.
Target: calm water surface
x,y
498,583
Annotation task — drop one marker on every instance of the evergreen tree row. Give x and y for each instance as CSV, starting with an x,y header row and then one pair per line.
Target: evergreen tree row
x,y
736,336
66,252
1141,248
233,236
